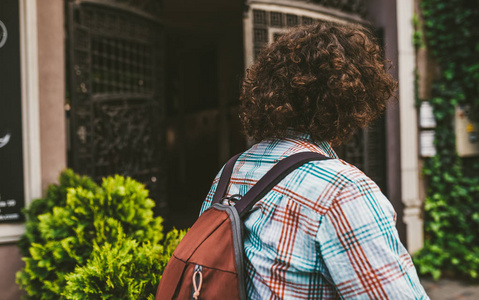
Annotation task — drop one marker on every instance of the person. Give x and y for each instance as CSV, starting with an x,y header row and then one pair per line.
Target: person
x,y
325,231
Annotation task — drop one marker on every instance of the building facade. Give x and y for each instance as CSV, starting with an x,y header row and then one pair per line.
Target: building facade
x,y
150,90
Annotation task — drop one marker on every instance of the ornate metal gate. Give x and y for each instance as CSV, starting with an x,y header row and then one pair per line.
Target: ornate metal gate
x,y
115,52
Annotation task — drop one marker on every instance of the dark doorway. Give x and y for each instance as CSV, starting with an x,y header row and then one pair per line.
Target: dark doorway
x,y
204,66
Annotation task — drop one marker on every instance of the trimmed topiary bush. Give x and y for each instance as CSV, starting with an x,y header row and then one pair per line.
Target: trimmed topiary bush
x,y
79,223
124,270
56,195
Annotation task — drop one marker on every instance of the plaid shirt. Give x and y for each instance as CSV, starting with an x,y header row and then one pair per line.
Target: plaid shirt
x,y
324,232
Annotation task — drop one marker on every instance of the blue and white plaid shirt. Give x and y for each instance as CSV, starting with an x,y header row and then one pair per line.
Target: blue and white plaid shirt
x,y
324,232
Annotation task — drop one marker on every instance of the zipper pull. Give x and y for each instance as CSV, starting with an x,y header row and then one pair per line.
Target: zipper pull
x,y
197,281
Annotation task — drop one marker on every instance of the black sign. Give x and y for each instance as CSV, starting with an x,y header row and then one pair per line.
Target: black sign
x,y
11,153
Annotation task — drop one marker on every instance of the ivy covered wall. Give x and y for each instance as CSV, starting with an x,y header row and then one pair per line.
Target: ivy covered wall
x,y
450,31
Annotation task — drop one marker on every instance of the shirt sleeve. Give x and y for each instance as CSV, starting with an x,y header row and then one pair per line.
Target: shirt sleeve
x,y
360,247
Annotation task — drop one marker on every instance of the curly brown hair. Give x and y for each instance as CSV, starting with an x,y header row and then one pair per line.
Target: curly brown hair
x,y
325,79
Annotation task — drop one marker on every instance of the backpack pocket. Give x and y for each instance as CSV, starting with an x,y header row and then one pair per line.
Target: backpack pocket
x,y
170,281
203,283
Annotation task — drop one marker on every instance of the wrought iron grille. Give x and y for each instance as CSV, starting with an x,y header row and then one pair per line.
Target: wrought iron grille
x,y
350,6
292,20
120,66
264,20
307,20
259,17
276,19
117,108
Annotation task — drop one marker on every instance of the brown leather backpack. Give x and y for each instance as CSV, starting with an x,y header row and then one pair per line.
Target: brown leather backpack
x,y
208,263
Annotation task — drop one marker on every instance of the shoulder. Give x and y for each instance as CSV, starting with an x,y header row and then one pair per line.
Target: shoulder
x,y
336,172
327,181
338,168
356,194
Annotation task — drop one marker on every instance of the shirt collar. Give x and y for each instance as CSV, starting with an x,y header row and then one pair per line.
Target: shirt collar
x,y
324,147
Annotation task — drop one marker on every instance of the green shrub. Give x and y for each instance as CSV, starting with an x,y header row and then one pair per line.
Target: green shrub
x,y
76,221
124,270
56,195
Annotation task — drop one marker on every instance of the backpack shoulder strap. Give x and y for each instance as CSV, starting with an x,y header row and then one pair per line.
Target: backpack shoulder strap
x,y
266,183
224,179
273,177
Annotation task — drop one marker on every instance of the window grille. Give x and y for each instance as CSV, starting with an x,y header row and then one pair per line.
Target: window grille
x,y
307,20
116,94
292,20
259,17
276,19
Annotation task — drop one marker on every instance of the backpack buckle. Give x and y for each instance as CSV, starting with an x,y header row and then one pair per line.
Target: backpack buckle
x,y
231,200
